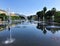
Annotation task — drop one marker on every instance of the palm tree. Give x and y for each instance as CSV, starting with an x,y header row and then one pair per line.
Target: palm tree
x,y
44,11
53,11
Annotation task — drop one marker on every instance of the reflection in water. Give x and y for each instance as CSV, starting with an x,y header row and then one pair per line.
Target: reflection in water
x,y
10,39
45,28
53,25
53,30
42,27
44,31
2,27
30,36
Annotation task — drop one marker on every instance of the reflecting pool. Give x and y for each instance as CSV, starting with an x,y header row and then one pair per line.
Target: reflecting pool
x,y
30,34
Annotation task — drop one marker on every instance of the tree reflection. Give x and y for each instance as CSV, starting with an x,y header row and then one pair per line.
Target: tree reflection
x,y
42,27
53,30
44,31
2,27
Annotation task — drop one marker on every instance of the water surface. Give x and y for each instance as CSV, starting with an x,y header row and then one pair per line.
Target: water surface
x,y
30,34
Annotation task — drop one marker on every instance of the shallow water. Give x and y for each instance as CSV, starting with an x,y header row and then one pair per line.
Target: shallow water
x,y
30,34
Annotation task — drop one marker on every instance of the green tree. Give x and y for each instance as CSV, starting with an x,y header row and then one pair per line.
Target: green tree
x,y
15,17
44,10
48,14
3,17
39,15
53,11
57,16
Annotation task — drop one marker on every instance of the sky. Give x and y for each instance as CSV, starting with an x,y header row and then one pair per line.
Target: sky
x,y
28,7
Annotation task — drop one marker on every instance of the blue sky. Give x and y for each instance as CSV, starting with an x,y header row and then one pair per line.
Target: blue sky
x,y
28,7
